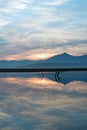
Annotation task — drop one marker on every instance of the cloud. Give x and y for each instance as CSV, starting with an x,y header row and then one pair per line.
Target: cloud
x,y
3,22
19,4
13,6
4,115
42,50
31,25
56,3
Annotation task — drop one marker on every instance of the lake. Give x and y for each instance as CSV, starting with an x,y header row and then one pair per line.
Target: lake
x,y
43,101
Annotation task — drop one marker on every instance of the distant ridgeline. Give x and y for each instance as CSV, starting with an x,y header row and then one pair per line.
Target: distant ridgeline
x,y
61,60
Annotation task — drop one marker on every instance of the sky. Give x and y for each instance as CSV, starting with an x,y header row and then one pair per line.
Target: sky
x,y
38,29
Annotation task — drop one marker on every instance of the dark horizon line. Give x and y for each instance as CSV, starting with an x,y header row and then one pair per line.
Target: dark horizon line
x,y
41,69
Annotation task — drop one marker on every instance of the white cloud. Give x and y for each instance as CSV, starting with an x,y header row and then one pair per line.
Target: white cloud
x,y
56,2
18,4
3,22
12,6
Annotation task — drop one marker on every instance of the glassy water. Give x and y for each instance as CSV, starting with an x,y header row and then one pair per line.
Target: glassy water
x,y
36,101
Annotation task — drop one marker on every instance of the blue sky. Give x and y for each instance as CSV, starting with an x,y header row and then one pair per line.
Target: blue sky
x,y
35,29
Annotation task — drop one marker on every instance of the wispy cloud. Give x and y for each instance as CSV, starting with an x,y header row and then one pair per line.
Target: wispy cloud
x,y
29,25
19,4
56,2
12,6
3,22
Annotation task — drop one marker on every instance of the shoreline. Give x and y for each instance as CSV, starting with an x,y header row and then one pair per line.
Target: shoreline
x,y
41,69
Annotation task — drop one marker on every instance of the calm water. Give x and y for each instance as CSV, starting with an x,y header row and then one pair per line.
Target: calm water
x,y
43,101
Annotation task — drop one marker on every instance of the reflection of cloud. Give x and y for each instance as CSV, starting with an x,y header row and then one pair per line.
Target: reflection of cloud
x,y
42,104
44,83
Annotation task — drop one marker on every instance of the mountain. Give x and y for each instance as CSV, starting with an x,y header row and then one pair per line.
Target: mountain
x,y
66,58
14,63
62,60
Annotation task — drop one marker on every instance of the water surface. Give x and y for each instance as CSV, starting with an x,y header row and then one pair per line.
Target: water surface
x,y
36,101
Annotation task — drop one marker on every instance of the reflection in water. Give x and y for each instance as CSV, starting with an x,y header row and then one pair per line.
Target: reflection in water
x,y
30,102
62,77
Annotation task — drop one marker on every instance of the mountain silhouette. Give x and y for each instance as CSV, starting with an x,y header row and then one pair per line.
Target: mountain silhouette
x,y
62,60
67,58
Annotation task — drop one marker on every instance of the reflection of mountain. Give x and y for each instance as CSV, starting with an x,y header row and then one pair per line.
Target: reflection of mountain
x,y
62,60
64,77
67,77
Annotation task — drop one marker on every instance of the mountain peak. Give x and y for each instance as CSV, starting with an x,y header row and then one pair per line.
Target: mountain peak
x,y
64,57
65,54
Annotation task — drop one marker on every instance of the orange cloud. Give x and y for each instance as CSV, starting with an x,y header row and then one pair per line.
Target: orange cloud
x,y
39,54
42,54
